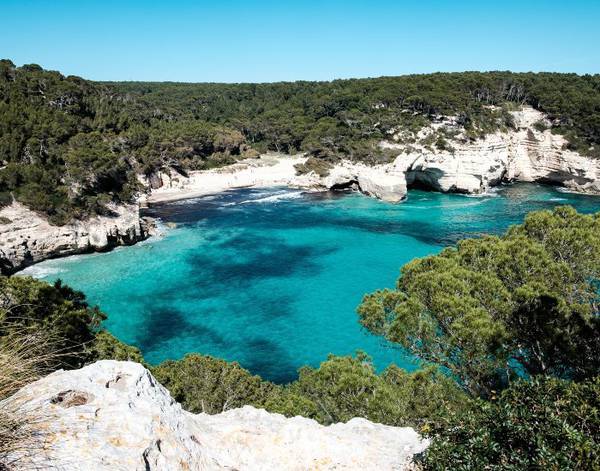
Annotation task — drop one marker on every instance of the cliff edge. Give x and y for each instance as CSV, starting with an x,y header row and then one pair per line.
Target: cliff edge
x,y
27,238
115,415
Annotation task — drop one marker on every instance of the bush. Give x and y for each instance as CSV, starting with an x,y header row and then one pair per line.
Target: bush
x,y
543,424
57,310
346,387
25,356
202,383
106,346
312,164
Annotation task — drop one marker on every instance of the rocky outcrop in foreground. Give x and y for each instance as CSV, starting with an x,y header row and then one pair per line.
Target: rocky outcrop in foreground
x,y
27,238
115,415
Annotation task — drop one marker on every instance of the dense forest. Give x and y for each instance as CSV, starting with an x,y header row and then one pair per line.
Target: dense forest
x,y
69,146
508,329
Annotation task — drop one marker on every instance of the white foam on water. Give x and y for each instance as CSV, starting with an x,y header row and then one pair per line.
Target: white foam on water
x,y
489,193
270,197
287,195
39,271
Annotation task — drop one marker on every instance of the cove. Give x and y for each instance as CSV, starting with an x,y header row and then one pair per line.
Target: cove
x,y
271,277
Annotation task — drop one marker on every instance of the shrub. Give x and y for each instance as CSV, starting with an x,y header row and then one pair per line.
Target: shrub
x,y
543,424
346,387
202,383
313,164
25,356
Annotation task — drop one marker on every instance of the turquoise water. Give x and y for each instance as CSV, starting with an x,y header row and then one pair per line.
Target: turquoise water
x,y
271,278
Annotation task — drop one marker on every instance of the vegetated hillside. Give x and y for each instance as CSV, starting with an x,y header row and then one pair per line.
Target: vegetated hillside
x,y
346,117
69,146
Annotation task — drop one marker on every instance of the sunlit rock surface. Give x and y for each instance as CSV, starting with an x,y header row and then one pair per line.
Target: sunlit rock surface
x,y
26,237
115,415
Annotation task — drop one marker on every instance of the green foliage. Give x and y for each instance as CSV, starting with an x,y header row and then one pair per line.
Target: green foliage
x,y
205,384
543,424
346,387
319,166
106,346
58,311
69,147
495,308
332,118
340,389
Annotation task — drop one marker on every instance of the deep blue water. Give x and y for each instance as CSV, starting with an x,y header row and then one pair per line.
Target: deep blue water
x,y
271,278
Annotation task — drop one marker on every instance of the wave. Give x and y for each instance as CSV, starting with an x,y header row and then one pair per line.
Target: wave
x,y
269,197
276,197
40,271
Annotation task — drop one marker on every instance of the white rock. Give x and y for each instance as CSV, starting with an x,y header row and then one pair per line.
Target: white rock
x,y
383,183
114,415
524,154
28,238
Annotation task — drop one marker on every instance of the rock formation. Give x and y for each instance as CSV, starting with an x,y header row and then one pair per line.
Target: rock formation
x,y
114,415
524,154
27,238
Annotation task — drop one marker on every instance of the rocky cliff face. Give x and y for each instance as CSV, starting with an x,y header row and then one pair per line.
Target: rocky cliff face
x,y
114,415
525,154
27,238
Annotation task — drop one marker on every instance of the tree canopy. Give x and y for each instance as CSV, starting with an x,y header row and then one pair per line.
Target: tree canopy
x,y
496,308
69,146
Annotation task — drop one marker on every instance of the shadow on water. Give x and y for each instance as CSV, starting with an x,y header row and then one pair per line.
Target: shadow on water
x,y
167,327
242,268
273,362
165,324
252,257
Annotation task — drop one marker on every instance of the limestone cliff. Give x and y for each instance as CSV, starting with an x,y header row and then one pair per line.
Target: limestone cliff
x,y
27,238
114,415
524,154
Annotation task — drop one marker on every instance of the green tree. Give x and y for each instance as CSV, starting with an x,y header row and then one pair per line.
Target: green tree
x,y
205,384
346,387
56,310
494,308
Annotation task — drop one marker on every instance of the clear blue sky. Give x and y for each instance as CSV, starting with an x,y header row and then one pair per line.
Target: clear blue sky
x,y
260,40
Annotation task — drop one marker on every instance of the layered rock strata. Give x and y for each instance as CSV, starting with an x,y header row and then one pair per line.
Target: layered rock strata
x,y
27,238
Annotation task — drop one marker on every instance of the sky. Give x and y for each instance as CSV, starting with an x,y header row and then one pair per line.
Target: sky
x,y
267,41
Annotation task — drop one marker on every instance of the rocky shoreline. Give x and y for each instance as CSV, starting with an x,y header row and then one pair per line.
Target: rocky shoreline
x,y
528,153
27,238
524,154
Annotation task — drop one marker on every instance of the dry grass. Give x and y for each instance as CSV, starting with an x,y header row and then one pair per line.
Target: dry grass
x,y
24,357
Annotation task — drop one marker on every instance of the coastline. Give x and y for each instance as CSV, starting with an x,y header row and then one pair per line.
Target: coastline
x,y
521,155
28,238
267,171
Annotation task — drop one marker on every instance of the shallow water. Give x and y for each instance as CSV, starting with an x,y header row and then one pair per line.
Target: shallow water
x,y
271,278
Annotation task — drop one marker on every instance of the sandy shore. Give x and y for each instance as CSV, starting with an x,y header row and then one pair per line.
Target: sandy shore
x,y
269,170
